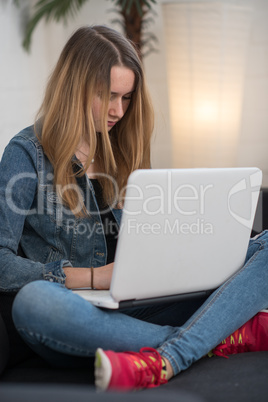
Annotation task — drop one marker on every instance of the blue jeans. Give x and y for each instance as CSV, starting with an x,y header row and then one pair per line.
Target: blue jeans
x,y
60,325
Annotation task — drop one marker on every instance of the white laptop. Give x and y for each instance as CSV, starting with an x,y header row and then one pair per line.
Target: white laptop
x,y
183,233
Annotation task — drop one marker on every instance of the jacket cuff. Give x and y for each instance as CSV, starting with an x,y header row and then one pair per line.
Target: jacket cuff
x,y
53,271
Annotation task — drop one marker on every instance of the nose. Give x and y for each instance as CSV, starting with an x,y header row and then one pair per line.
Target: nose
x,y
116,108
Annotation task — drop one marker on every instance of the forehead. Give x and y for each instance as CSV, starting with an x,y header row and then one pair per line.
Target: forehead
x,y
122,80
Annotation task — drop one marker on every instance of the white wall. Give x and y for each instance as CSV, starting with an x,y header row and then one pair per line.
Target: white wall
x,y
23,77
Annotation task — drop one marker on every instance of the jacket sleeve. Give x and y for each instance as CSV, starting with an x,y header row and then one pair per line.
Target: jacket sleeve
x,y
18,186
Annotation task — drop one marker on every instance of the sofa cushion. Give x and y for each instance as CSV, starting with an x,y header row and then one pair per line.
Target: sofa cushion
x,y
240,378
4,345
18,350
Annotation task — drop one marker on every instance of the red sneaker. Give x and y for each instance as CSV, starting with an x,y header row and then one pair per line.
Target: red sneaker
x,y
129,370
251,337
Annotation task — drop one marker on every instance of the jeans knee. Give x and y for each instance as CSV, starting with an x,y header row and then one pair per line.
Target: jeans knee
x,y
30,303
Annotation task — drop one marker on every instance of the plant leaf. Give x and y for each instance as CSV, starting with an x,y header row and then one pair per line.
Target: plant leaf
x,y
50,9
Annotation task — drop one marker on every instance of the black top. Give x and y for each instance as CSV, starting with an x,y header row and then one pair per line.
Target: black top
x,y
110,226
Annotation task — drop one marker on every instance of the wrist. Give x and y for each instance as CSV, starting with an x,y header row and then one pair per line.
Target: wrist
x,y
77,277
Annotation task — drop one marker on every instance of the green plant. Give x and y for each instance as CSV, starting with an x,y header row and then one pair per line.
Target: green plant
x,y
134,15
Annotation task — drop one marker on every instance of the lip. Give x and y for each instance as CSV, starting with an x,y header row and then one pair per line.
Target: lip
x,y
111,123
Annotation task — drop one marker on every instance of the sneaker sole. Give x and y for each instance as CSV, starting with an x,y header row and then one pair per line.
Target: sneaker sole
x,y
103,370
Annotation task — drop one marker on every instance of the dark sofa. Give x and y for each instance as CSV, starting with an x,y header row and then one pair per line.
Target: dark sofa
x,y
26,377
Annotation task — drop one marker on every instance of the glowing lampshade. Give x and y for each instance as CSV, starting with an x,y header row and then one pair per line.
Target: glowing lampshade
x,y
206,45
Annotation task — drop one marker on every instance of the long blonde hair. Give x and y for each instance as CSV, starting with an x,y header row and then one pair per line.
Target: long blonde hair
x,y
82,71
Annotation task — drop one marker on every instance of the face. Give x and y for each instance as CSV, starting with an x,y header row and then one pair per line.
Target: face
x,y
122,88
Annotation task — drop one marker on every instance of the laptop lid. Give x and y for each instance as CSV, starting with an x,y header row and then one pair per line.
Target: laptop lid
x,y
183,231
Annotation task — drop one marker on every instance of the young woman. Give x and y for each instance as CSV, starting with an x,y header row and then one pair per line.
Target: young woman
x,y
61,195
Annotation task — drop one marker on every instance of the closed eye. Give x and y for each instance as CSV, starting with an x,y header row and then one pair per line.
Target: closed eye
x,y
127,97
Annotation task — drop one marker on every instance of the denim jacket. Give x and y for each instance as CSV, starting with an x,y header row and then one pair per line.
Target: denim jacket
x,y
32,217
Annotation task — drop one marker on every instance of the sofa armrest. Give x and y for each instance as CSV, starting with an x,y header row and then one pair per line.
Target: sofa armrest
x,y
261,217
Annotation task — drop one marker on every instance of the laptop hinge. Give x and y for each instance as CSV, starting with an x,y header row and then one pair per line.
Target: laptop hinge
x,y
164,299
